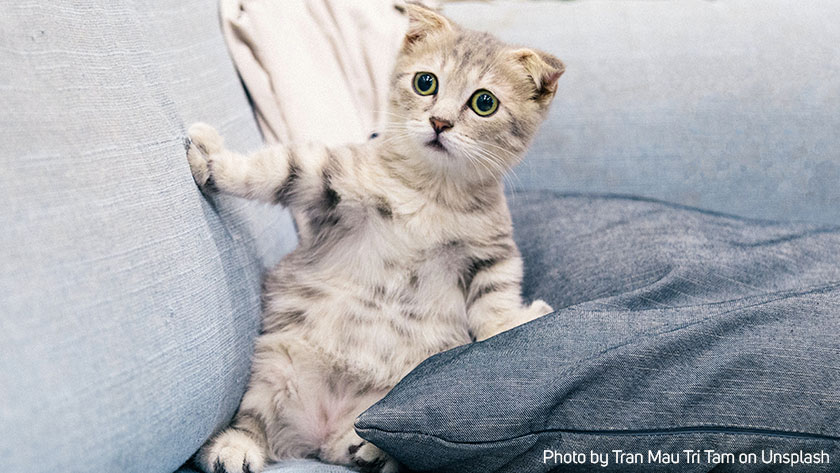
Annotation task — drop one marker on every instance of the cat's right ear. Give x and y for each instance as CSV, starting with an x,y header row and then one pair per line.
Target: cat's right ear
x,y
543,69
422,22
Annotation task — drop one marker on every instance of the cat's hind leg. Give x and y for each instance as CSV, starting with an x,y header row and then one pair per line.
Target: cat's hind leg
x,y
240,448
369,458
337,399
272,422
350,449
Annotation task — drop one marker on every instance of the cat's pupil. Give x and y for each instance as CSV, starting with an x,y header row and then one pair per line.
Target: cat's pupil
x,y
484,102
424,83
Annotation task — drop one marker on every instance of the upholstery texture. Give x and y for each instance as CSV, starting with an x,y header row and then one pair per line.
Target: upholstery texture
x,y
688,330
128,302
727,105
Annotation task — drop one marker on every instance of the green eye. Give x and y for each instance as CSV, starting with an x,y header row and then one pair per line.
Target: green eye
x,y
425,83
484,103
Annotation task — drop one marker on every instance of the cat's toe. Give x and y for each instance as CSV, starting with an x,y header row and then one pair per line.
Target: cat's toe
x,y
232,452
370,459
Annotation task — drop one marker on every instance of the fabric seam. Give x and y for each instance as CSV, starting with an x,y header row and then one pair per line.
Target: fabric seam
x,y
630,433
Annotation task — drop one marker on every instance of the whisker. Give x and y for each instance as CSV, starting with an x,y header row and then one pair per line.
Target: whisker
x,y
501,148
472,160
507,173
387,139
476,159
473,152
387,112
492,159
495,156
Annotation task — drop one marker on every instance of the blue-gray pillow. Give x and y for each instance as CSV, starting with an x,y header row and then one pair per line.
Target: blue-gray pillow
x,y
689,331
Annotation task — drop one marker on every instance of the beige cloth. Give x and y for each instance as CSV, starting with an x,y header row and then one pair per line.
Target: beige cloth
x,y
316,70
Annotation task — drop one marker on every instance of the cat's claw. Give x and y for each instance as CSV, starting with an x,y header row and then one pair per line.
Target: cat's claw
x,y
370,459
232,452
204,142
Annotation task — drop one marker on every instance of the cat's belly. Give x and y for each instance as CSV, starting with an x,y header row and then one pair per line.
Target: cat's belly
x,y
376,299
389,337
382,328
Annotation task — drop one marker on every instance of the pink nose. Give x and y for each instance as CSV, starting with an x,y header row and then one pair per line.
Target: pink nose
x,y
440,125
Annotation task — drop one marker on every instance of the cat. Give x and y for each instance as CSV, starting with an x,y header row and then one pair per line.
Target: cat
x,y
407,251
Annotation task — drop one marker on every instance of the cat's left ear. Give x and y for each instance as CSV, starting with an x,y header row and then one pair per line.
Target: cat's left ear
x,y
544,69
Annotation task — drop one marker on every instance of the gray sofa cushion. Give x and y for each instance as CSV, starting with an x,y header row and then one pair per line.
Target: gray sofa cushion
x,y
728,106
128,302
689,330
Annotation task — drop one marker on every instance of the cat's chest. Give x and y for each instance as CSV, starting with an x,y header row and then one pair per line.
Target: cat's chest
x,y
402,273
427,237
418,257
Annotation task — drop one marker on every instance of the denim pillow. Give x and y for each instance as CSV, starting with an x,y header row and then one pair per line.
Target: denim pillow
x,y
676,330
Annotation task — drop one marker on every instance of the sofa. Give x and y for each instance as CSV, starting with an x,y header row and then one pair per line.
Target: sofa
x,y
680,210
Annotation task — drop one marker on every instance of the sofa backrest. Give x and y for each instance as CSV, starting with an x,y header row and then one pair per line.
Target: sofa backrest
x,y
128,301
731,106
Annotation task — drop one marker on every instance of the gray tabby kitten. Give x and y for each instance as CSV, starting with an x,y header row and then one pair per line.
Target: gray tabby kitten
x,y
406,248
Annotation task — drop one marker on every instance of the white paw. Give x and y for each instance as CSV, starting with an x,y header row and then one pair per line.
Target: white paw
x,y
232,451
370,459
539,308
204,142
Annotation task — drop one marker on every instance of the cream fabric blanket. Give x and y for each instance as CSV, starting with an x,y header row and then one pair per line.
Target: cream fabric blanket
x,y
316,70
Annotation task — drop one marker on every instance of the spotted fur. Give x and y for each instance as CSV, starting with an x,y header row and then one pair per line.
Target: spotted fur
x,y
408,248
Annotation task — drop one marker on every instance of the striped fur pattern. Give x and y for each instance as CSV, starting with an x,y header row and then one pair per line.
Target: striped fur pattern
x,y
408,249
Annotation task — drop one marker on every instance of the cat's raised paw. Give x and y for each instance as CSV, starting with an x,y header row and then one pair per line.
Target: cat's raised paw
x,y
370,459
204,142
232,452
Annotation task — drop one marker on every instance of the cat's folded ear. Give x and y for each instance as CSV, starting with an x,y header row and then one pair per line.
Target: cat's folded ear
x,y
543,68
422,22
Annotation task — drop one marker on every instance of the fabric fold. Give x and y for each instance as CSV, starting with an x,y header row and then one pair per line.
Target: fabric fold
x,y
315,70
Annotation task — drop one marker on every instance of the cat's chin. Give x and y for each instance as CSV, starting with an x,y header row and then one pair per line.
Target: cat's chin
x,y
436,145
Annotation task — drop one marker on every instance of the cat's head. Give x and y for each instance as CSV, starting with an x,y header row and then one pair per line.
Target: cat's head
x,y
463,100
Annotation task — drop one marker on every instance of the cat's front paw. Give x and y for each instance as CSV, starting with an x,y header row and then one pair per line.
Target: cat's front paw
x,y
232,451
523,315
204,142
370,459
538,308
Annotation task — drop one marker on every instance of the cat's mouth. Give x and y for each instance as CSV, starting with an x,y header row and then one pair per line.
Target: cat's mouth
x,y
436,144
